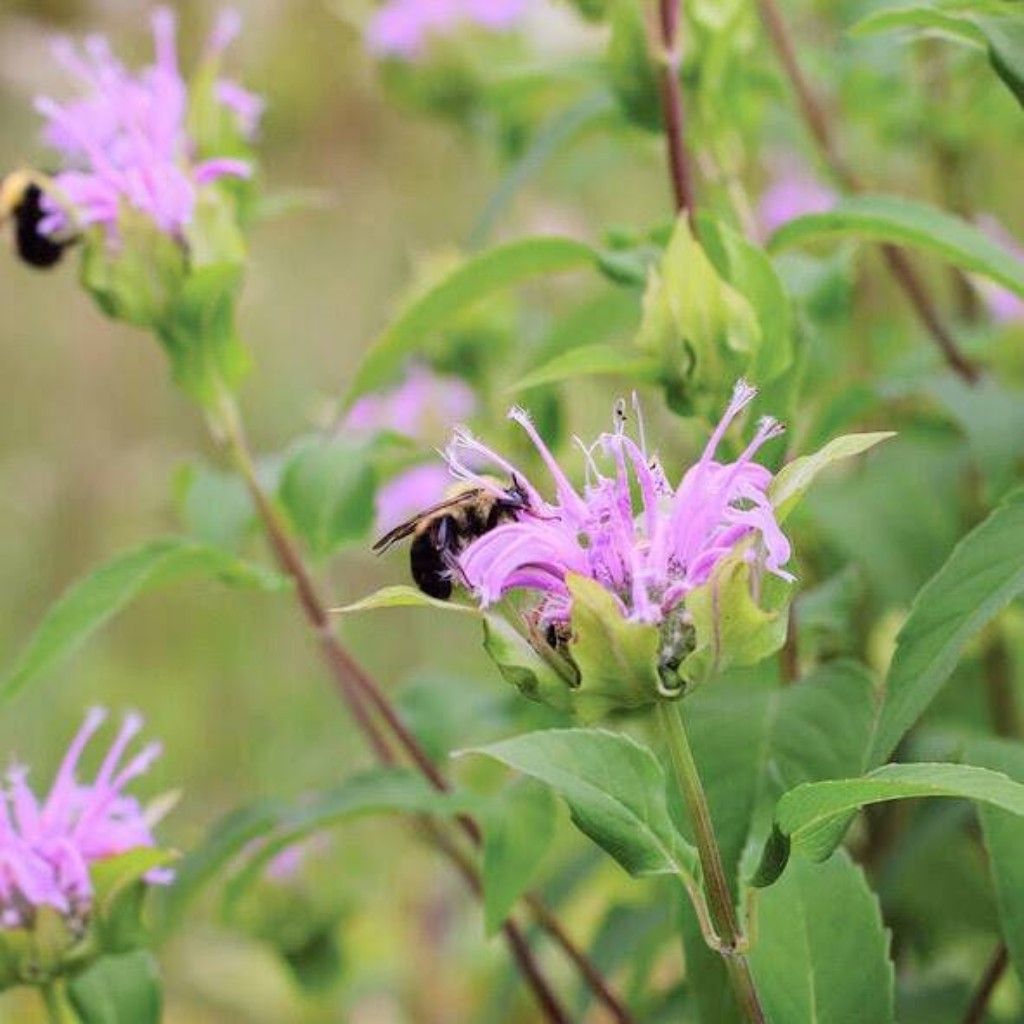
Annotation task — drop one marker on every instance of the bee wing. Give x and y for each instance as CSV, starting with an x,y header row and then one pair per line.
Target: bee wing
x,y
405,529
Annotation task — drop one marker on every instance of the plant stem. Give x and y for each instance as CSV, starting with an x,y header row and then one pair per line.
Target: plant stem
x,y
820,128
54,1003
679,166
358,689
979,1003
723,914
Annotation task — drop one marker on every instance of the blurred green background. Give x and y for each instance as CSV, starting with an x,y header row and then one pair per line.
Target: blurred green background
x,y
93,435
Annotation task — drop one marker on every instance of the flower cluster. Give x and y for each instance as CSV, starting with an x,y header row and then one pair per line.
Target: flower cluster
x,y
416,408
47,848
402,28
125,141
643,540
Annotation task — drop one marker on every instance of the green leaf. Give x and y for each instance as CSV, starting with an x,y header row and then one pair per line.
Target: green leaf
x,y
550,138
89,603
812,818
118,990
614,788
545,680
381,790
982,575
920,16
631,72
617,658
793,480
822,952
403,596
732,629
519,826
222,843
1004,839
328,487
591,361
213,506
1002,38
748,269
902,221
497,268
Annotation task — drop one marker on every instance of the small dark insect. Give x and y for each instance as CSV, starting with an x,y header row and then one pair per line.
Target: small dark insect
x,y
442,532
21,199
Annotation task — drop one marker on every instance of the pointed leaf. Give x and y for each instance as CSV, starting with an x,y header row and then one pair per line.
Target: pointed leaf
x,y
519,825
902,221
591,361
812,818
822,953
404,596
92,601
497,268
614,788
118,990
982,575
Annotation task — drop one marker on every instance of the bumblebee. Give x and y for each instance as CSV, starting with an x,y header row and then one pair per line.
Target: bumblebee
x,y
442,532
21,200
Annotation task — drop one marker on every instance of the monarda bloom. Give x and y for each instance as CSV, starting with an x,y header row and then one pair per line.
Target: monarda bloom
x,y
126,141
631,545
50,848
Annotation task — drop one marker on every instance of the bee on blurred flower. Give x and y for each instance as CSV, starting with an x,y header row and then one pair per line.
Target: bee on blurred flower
x,y
21,200
442,532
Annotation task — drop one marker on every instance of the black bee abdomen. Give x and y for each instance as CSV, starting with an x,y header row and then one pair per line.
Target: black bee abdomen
x,y
428,567
35,249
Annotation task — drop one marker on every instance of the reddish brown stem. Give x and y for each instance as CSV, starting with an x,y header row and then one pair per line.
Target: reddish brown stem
x,y
679,166
819,126
357,689
976,1011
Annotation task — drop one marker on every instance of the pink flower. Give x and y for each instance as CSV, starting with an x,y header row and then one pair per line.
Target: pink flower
x,y
47,849
420,406
402,28
125,139
1004,306
793,194
647,542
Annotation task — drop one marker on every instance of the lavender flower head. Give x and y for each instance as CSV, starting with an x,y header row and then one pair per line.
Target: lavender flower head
x,y
402,28
125,140
1005,307
793,193
48,847
415,409
649,551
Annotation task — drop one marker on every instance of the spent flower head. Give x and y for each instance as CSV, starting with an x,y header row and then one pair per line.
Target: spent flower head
x,y
126,139
48,847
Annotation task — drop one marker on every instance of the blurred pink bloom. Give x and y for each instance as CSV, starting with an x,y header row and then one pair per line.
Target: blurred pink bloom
x,y
287,865
46,850
423,404
409,493
402,28
651,552
792,194
1003,305
125,139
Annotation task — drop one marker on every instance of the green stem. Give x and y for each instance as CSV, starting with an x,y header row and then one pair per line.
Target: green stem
x,y
53,1000
731,942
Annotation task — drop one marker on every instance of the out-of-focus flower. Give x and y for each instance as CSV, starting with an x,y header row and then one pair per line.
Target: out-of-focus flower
x,y
791,194
420,407
1004,306
423,403
125,141
48,848
647,543
402,28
